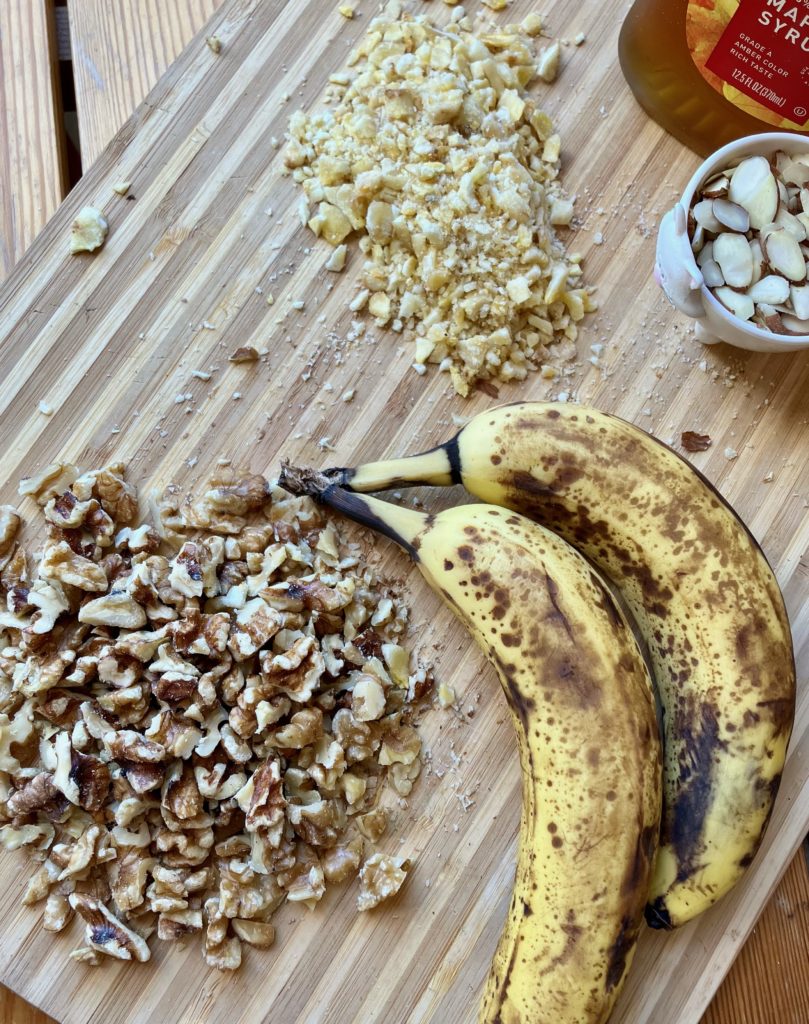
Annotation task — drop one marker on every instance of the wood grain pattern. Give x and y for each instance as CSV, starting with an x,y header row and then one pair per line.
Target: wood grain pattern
x,y
14,1010
110,340
768,979
32,160
119,51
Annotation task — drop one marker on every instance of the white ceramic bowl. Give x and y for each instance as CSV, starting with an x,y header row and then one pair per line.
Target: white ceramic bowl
x,y
676,268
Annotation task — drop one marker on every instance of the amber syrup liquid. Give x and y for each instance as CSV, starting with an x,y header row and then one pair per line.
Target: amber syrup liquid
x,y
657,64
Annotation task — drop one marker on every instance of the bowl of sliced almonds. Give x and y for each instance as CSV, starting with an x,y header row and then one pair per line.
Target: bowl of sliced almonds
x,y
734,252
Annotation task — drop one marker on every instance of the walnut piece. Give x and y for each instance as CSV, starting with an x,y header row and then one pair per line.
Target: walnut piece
x,y
694,442
57,914
36,794
381,877
9,524
105,933
257,933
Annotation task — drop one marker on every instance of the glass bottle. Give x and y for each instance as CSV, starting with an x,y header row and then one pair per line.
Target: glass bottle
x,y
710,71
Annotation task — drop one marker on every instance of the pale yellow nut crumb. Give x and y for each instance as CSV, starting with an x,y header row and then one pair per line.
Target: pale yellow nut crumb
x,y
579,38
122,187
496,5
556,285
214,44
335,225
346,10
446,695
532,24
359,300
379,306
337,261
519,290
548,66
270,299
303,211
552,149
561,212
88,231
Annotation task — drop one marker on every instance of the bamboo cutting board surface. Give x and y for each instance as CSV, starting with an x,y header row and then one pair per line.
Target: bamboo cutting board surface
x,y
109,341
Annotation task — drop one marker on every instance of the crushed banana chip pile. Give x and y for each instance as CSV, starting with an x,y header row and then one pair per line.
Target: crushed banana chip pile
x,y
448,171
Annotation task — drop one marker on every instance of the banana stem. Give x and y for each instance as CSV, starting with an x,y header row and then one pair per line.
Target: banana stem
x,y
404,526
439,467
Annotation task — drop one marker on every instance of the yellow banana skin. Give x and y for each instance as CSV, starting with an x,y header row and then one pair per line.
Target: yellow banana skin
x,y
582,704
700,590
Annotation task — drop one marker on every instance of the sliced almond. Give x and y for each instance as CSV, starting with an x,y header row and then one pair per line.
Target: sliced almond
x,y
805,199
758,260
770,318
771,289
705,254
732,253
799,297
716,187
705,217
712,274
779,161
793,325
698,239
783,193
783,253
790,223
754,187
796,172
739,304
731,215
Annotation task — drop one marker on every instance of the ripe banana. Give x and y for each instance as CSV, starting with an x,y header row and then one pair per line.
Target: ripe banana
x,y
581,699
701,591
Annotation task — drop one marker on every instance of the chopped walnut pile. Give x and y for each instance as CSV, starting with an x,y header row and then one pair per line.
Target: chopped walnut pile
x,y
197,718
449,170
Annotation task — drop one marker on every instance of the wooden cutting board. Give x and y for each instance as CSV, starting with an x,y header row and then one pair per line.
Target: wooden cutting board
x,y
110,340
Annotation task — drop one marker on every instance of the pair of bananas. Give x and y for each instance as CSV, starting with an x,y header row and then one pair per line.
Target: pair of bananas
x,y
610,823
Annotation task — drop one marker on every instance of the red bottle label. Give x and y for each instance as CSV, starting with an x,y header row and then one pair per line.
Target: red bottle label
x,y
761,55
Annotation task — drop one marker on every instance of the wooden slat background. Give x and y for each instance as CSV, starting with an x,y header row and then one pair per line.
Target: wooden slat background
x,y
665,370
32,159
120,49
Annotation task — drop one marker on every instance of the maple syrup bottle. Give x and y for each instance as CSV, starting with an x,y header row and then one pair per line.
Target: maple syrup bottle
x,y
710,71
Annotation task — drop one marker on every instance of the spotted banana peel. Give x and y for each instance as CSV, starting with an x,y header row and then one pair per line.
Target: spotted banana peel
x,y
702,594
583,708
